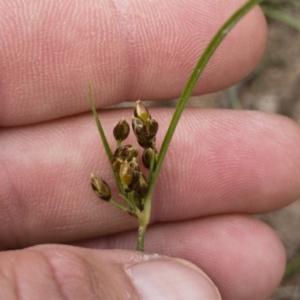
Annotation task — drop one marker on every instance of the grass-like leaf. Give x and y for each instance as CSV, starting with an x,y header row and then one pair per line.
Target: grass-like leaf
x,y
144,216
282,16
103,137
99,125
202,62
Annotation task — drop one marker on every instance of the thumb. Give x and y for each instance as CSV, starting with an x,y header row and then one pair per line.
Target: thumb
x,y
65,272
163,278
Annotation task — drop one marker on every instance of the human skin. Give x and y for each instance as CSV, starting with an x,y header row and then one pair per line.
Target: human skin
x,y
222,166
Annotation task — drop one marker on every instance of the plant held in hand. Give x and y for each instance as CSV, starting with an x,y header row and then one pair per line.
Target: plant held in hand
x,y
133,184
135,187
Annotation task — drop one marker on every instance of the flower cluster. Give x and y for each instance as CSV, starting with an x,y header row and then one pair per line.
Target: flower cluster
x,y
132,182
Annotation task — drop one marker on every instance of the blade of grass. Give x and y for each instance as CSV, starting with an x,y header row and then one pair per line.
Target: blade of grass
x,y
202,62
103,137
280,3
99,125
281,16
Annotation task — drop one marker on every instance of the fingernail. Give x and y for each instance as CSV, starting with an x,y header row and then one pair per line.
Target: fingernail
x,y
164,279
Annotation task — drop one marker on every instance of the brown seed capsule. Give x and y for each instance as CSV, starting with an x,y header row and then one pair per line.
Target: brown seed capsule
x,y
116,163
126,152
134,165
138,200
150,128
135,181
125,174
141,111
147,157
101,188
143,186
146,143
137,125
145,132
121,130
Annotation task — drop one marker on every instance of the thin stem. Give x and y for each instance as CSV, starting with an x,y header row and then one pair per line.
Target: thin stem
x,y
103,137
118,205
141,238
128,200
99,125
131,201
205,57
118,144
282,16
144,219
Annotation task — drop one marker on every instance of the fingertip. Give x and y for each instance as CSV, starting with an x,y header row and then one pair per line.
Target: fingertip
x,y
242,255
134,50
117,273
166,278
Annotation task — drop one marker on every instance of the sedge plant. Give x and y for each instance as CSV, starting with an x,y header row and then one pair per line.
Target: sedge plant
x,y
136,188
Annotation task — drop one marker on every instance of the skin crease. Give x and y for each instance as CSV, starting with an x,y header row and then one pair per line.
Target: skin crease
x,y
229,165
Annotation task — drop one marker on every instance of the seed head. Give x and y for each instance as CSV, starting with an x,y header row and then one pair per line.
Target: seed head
x,y
150,128
126,152
143,186
126,173
134,165
101,188
147,157
135,181
116,163
137,125
121,130
138,200
141,111
146,143
138,128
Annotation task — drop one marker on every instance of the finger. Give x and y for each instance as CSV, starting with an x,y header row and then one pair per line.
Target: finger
x,y
229,162
243,256
61,272
137,50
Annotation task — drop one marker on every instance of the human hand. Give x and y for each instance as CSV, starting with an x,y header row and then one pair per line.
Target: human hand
x,y
221,167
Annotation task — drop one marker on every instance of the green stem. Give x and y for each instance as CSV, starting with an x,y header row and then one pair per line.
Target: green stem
x,y
127,200
144,219
118,144
99,125
141,239
103,137
205,57
281,16
131,201
118,205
